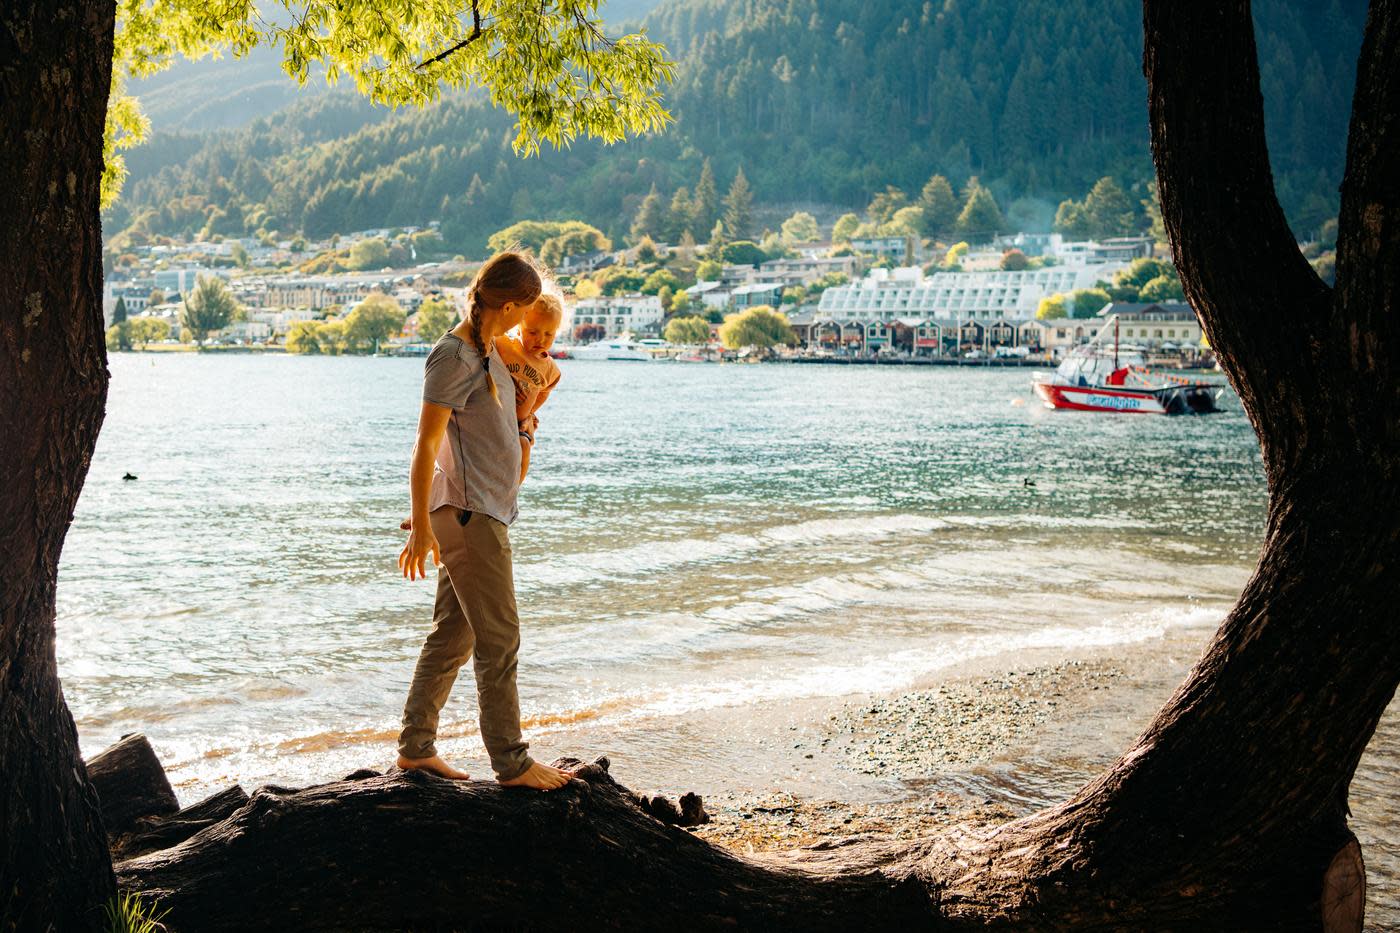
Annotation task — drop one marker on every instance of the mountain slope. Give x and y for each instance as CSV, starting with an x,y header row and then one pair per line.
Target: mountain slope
x,y
817,101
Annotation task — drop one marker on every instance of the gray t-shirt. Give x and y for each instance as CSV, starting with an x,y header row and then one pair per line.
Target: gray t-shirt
x,y
478,462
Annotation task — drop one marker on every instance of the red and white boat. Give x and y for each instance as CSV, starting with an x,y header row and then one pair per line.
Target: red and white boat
x,y
1098,378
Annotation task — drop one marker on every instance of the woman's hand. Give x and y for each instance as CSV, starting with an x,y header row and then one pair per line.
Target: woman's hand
x,y
421,542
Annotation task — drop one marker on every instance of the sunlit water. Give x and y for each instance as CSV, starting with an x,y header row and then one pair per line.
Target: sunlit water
x,y
697,543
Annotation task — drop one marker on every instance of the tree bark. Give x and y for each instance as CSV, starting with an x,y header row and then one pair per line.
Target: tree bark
x,y
55,71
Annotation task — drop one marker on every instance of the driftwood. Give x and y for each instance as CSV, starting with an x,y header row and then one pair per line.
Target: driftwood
x,y
410,851
131,785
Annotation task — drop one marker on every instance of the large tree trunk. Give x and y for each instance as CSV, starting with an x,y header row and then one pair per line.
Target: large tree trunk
x,y
1232,805
413,851
55,68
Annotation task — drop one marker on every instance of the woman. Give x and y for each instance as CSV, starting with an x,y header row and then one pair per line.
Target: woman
x,y
463,484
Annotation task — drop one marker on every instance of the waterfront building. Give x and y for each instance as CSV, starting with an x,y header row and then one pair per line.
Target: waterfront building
x,y
886,294
619,314
1166,325
280,321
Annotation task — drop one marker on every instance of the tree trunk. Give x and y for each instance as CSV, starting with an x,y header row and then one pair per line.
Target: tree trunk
x,y
1232,805
55,70
413,851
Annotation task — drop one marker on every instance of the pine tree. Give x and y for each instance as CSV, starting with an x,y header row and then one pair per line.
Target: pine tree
x,y
119,312
682,215
208,309
706,200
738,207
717,241
940,208
650,220
1071,221
1108,210
981,218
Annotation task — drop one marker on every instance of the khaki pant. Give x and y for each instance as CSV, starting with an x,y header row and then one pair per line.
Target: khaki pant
x,y
474,616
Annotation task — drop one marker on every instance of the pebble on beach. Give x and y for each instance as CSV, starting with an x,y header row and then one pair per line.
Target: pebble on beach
x,y
912,736
916,734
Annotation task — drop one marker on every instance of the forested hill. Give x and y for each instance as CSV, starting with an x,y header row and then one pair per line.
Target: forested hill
x,y
819,101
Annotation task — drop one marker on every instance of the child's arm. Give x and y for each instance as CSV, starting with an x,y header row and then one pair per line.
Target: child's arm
x,y
529,424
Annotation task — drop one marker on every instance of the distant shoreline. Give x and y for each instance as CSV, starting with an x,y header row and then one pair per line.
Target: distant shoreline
x,y
988,363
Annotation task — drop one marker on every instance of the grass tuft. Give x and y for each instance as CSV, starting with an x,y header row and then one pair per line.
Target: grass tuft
x,y
128,912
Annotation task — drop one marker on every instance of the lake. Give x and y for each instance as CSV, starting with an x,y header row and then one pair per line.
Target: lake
x,y
695,541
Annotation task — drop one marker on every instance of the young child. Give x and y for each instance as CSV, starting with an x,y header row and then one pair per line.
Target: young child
x,y
534,372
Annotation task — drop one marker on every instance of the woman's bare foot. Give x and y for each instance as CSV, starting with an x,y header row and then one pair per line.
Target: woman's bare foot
x,y
540,777
433,765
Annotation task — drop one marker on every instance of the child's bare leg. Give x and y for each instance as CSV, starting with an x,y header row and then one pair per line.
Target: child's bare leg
x,y
524,458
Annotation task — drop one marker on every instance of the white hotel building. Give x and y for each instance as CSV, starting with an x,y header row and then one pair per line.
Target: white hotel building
x,y
906,293
619,314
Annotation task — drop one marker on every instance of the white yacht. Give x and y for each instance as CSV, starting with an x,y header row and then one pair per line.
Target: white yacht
x,y
620,348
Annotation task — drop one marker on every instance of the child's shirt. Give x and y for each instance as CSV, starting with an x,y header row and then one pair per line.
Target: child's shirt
x,y
534,378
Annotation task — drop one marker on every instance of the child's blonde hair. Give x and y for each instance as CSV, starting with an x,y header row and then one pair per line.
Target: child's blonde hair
x,y
551,302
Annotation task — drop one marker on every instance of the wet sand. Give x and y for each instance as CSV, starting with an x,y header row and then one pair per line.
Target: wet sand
x,y
985,747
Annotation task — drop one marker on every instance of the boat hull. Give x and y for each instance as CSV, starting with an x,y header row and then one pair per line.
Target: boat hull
x,y
594,352
1169,400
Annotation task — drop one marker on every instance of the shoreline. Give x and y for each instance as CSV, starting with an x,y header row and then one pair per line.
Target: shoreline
x,y
950,749
999,742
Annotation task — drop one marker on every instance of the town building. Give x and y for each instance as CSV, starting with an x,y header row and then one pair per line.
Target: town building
x,y
900,249
758,293
806,270
183,280
886,294
280,321
1166,325
585,262
134,295
712,295
620,314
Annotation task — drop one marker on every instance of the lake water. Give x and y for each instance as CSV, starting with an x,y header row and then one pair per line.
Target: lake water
x,y
695,541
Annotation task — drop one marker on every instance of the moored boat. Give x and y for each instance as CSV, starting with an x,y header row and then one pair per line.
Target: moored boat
x,y
618,349
1099,378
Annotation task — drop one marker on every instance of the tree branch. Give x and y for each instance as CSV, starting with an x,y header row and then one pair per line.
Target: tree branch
x,y
1260,302
1368,243
471,37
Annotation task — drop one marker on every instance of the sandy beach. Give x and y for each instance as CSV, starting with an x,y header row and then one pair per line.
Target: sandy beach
x,y
985,747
